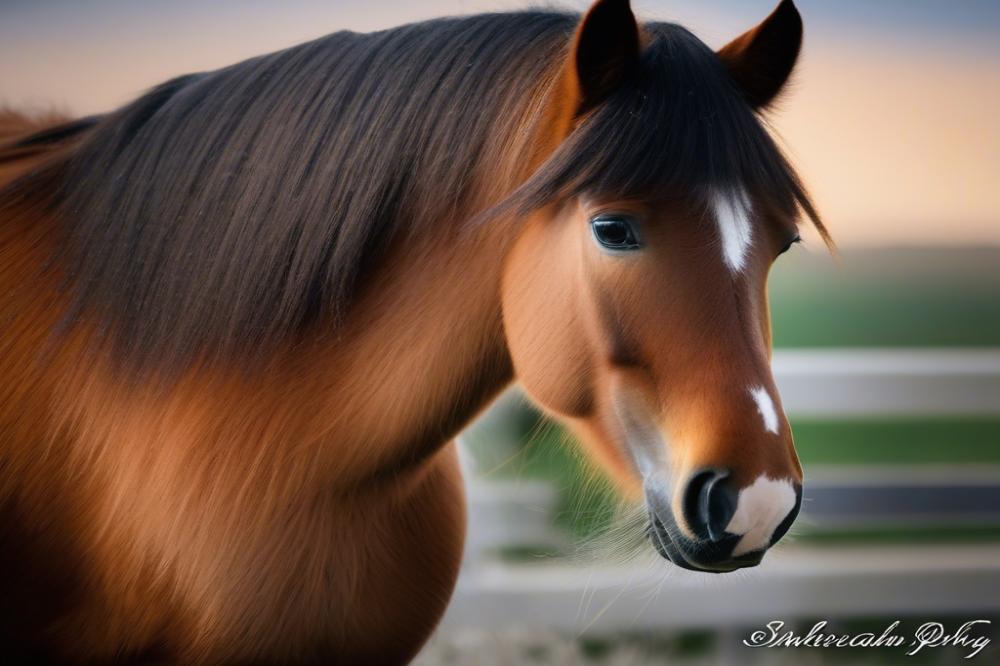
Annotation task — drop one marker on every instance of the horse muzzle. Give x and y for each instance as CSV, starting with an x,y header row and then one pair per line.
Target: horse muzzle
x,y
720,528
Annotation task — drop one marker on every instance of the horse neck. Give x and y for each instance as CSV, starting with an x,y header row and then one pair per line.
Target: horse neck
x,y
421,352
425,349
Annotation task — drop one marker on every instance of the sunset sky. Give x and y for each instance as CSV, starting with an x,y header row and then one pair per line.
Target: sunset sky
x,y
892,119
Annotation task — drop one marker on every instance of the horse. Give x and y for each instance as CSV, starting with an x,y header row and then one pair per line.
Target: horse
x,y
245,315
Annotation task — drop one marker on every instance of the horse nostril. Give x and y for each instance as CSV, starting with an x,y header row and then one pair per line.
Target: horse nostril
x,y
709,504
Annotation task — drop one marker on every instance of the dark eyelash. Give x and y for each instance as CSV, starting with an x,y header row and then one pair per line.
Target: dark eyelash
x,y
797,239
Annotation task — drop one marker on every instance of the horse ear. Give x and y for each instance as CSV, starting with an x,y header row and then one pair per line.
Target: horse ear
x,y
605,52
761,59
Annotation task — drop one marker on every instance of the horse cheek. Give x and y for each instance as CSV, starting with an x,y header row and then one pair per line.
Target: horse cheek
x,y
543,322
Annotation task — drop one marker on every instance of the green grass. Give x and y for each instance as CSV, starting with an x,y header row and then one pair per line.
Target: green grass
x,y
887,298
931,534
898,441
890,441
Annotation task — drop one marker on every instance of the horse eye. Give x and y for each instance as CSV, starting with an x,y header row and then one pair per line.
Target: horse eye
x,y
614,232
790,244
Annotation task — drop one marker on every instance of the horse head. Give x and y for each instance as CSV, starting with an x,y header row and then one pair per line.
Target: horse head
x,y
634,299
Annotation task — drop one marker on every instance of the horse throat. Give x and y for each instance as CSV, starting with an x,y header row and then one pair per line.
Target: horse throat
x,y
423,351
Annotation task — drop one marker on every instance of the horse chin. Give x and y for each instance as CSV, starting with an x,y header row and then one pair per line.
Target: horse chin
x,y
709,557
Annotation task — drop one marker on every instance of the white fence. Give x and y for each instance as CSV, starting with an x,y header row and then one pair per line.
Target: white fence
x,y
794,581
888,382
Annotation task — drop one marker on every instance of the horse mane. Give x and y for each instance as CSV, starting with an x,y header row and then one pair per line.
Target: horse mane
x,y
223,212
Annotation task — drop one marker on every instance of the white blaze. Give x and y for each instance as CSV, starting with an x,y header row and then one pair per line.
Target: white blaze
x,y
760,508
765,405
732,215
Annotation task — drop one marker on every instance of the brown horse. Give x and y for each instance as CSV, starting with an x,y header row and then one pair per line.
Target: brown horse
x,y
243,316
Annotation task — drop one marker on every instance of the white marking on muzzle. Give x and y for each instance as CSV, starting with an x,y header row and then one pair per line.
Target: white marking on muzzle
x,y
765,405
732,215
760,508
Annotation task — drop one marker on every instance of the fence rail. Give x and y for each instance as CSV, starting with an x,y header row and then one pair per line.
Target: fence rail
x,y
830,582
888,382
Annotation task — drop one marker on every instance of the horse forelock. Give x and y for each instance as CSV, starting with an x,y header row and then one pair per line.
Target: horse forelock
x,y
678,129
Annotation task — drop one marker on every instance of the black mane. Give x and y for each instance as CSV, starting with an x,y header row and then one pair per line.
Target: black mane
x,y
223,211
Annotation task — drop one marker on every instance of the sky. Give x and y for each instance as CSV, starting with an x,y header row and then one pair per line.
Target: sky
x,y
891,118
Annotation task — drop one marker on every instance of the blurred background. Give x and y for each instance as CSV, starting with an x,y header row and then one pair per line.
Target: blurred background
x,y
888,362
